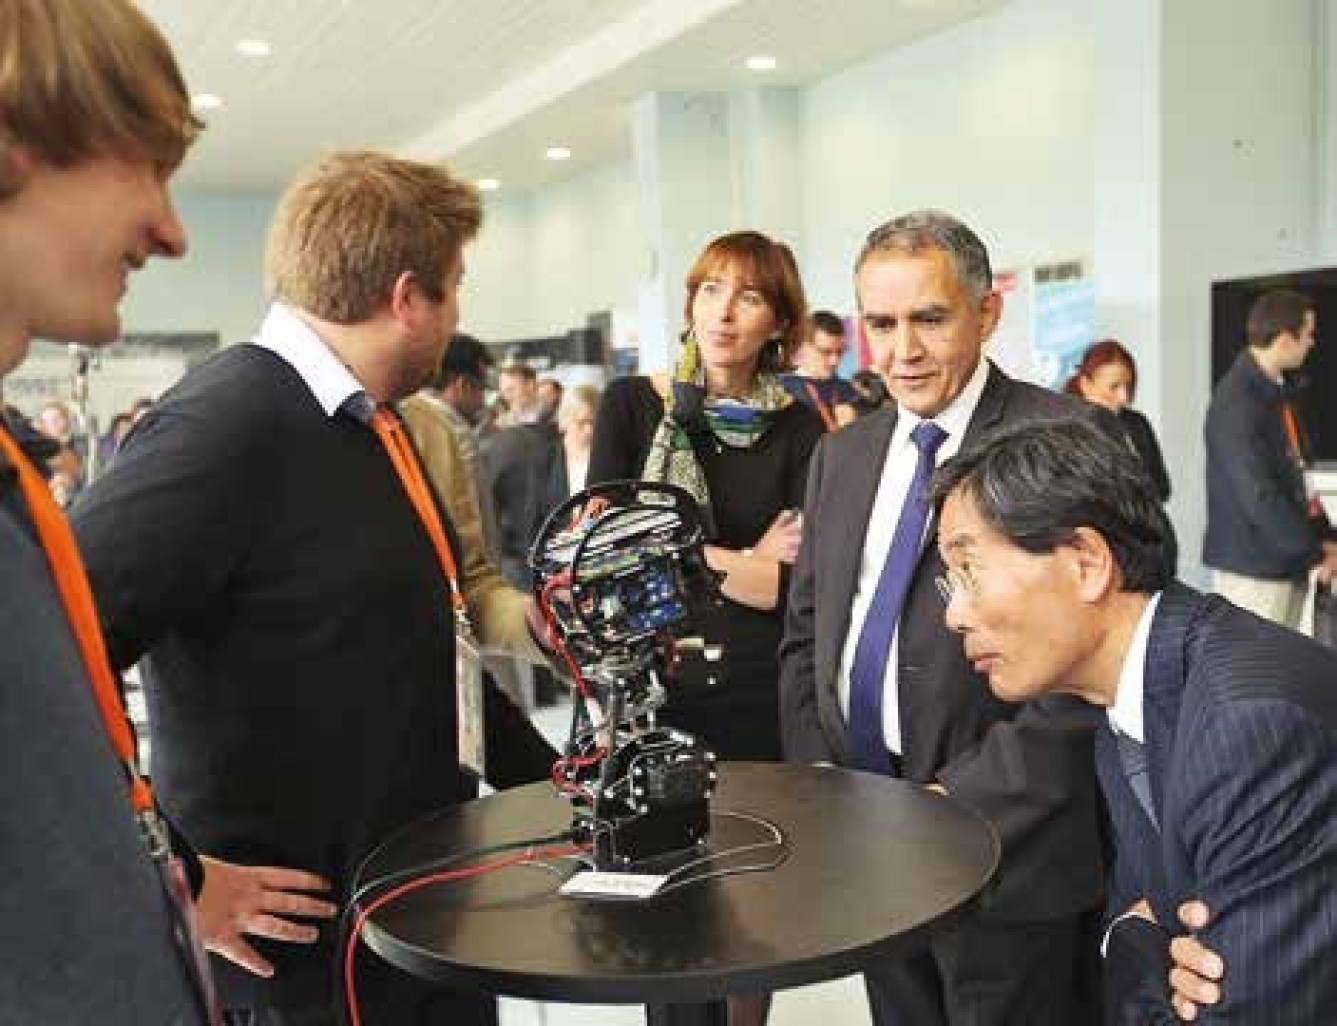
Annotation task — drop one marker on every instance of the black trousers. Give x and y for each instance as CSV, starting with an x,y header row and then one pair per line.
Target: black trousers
x,y
386,997
986,973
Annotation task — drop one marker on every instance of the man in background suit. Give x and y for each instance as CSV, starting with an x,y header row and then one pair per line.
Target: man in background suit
x,y
888,691
1262,539
264,543
1219,757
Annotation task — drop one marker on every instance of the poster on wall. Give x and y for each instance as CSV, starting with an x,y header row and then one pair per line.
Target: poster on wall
x,y
1064,318
1048,320
1010,346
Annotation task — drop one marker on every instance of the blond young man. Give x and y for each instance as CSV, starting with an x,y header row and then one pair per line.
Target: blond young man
x,y
290,609
94,118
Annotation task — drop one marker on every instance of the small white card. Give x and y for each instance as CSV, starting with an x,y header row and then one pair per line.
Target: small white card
x,y
622,886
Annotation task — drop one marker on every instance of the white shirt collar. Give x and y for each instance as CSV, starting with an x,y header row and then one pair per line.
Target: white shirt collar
x,y
1125,715
290,338
954,419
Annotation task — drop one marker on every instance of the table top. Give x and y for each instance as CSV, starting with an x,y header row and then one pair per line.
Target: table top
x,y
873,866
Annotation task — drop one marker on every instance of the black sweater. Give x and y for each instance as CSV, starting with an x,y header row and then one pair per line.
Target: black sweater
x,y
738,713
296,628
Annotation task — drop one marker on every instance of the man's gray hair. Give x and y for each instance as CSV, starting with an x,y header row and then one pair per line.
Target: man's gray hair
x,y
933,229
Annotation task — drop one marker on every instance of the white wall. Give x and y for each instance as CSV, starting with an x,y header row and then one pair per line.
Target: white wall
x,y
547,259
219,285
991,120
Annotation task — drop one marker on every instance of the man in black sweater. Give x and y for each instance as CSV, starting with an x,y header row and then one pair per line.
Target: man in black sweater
x,y
256,547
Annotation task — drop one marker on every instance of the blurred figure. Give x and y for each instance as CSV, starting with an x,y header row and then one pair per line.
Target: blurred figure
x,y
814,380
517,385
1107,376
548,396
575,421
1261,540
71,457
870,391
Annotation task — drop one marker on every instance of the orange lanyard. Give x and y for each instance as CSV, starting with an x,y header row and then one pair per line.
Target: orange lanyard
x,y
390,430
1292,426
827,415
57,540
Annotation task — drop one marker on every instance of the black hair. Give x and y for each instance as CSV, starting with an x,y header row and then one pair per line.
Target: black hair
x,y
826,321
465,357
1037,483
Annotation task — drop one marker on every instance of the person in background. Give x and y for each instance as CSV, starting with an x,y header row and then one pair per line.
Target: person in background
x,y
1262,539
814,380
95,118
1217,754
870,391
71,457
724,429
1107,376
575,420
517,387
548,395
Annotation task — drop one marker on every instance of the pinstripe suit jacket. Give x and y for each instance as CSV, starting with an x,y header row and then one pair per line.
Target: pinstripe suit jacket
x,y
1241,734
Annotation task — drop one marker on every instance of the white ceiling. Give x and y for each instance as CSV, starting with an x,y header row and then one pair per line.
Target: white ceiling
x,y
487,86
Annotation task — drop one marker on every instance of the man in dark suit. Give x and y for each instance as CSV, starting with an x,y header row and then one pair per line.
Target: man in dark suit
x,y
871,678
266,542
1219,757
1261,538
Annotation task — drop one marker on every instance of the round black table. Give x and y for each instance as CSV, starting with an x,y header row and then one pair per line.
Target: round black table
x,y
874,866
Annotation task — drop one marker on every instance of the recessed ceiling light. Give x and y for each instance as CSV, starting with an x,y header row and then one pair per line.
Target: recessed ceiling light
x,y
488,184
557,153
761,63
253,48
206,101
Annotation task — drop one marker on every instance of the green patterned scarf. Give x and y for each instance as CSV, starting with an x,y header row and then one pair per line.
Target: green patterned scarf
x,y
687,412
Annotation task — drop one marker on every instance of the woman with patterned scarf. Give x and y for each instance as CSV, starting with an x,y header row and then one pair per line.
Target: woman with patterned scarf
x,y
725,429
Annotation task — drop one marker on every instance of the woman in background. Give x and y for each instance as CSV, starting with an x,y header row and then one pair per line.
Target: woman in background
x,y
575,421
1107,376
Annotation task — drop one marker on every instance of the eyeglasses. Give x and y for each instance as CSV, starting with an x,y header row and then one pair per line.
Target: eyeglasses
x,y
956,583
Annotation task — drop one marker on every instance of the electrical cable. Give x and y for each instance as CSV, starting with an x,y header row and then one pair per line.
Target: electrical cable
x,y
415,878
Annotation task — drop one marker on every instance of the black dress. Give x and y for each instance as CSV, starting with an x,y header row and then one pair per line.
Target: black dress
x,y
1140,433
734,706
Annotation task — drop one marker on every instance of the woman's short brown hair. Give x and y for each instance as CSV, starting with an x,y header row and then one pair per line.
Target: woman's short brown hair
x,y
349,227
769,267
87,78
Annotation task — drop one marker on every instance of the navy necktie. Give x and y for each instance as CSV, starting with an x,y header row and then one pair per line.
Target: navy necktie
x,y
1133,757
869,669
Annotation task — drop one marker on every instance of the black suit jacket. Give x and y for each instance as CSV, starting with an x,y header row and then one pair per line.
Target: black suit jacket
x,y
1257,518
1241,733
1028,770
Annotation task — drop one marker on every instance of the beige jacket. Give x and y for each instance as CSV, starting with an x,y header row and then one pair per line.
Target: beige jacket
x,y
496,609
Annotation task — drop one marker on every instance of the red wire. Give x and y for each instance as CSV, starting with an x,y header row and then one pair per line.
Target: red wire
x,y
550,618
447,876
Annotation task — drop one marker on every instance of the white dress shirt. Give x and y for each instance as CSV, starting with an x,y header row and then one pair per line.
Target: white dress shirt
x,y
898,470
1125,715
289,337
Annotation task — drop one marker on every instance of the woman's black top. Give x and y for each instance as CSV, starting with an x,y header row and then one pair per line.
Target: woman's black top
x,y
1140,433
733,704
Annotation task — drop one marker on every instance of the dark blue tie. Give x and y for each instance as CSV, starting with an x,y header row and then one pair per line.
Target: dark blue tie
x,y
869,670
1133,756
